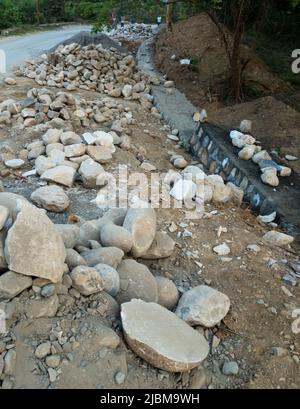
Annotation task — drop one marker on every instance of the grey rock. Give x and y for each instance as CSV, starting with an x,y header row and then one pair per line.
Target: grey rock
x,y
52,198
4,213
12,284
42,164
52,375
116,216
108,305
70,138
276,238
86,280
230,368
36,152
74,259
106,255
161,338
48,290
116,236
120,378
1,364
89,171
168,295
136,281
162,247
110,278
90,230
52,136
100,154
63,175
14,163
203,306
75,150
43,350
33,246
10,360
141,223
3,263
38,308
53,361
70,233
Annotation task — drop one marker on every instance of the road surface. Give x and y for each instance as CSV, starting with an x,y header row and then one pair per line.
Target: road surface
x,y
19,48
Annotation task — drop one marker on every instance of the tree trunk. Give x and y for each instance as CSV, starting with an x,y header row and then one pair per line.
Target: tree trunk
x,y
37,5
169,17
236,51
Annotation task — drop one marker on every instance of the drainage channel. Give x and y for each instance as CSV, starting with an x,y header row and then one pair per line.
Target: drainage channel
x,y
211,144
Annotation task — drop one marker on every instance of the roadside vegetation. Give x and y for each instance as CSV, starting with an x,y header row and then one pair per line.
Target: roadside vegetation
x,y
268,27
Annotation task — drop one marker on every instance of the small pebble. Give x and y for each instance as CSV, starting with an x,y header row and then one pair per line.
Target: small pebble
x,y
120,378
230,368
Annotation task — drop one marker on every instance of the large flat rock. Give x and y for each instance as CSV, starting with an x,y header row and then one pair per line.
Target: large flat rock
x,y
33,246
64,175
161,338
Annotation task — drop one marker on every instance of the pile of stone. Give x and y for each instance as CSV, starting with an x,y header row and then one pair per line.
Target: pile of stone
x,y
193,184
44,265
132,31
59,153
90,68
61,109
249,150
64,156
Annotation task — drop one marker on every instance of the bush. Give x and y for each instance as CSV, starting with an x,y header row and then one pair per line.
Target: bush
x,y
10,14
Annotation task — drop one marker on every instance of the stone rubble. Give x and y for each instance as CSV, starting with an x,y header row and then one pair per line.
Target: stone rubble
x,y
96,266
88,67
132,31
249,150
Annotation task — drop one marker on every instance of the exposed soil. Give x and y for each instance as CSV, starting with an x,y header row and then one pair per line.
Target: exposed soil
x,y
199,40
131,46
275,124
259,319
276,118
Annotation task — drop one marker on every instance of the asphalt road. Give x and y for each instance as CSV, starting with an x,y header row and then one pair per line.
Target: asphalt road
x,y
19,48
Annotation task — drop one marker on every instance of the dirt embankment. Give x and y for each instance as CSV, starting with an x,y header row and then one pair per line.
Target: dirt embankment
x,y
206,79
205,82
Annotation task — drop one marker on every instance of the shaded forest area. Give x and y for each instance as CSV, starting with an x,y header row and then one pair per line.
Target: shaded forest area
x,y
283,16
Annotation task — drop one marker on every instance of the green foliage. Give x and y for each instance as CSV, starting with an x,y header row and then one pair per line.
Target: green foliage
x,y
144,11
53,10
27,9
10,14
85,10
283,16
104,15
